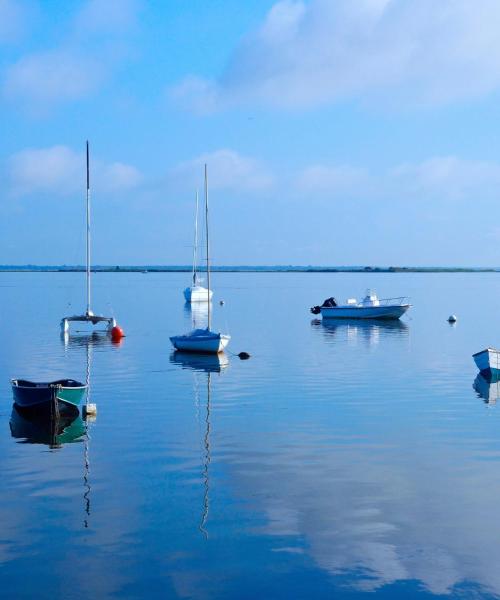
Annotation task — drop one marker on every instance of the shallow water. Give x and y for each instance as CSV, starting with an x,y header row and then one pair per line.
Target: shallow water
x,y
343,460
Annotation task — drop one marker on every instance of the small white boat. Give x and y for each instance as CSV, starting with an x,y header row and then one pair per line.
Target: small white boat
x,y
196,292
371,307
203,340
488,360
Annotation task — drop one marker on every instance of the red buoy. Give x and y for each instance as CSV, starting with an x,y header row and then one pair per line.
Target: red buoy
x,y
117,333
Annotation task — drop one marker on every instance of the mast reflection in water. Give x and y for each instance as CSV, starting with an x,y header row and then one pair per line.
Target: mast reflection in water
x,y
208,364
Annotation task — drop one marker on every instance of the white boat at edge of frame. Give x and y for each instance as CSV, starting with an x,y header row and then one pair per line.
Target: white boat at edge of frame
x,y
371,307
488,360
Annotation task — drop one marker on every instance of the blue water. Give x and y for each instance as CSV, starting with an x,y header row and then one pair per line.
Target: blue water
x,y
341,461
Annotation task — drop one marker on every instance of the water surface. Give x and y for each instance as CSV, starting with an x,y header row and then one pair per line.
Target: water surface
x,y
342,460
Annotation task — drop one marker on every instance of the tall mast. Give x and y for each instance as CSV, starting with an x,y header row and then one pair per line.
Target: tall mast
x,y
208,247
88,232
195,249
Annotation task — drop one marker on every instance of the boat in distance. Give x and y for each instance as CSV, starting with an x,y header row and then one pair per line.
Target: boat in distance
x,y
30,394
201,340
488,361
197,293
371,307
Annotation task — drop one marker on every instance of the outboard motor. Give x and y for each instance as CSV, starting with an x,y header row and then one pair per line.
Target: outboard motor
x,y
328,303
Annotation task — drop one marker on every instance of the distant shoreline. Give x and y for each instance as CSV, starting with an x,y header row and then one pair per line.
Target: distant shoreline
x,y
239,269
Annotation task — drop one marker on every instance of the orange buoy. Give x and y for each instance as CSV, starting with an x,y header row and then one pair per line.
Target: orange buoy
x,y
117,333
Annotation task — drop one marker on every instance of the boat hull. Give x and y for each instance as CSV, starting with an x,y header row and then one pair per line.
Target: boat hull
x,y
197,294
488,361
364,312
29,394
209,344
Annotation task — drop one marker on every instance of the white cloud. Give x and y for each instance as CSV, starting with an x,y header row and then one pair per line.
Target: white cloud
x,y
445,178
448,177
60,171
94,45
309,54
52,78
226,170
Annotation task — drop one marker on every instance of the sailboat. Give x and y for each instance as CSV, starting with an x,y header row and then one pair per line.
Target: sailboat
x,y
89,316
203,340
196,292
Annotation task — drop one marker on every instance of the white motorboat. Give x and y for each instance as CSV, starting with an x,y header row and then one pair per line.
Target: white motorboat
x,y
203,340
488,360
89,316
371,307
196,292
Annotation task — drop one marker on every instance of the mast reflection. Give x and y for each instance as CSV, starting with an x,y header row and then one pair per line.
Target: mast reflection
x,y
209,364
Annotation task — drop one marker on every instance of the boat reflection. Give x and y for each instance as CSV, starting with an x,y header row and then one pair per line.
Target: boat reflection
x,y
84,340
196,315
368,331
32,426
487,387
207,363
203,363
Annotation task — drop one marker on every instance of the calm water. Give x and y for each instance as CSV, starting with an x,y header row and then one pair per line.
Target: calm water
x,y
340,461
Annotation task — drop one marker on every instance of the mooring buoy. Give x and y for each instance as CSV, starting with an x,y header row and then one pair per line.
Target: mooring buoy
x,y
452,319
244,355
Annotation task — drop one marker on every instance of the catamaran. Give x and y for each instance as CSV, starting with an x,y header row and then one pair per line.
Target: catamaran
x,y
203,340
196,292
89,316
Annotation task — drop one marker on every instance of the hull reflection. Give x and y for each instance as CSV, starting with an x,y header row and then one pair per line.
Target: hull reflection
x,y
34,426
367,330
487,387
205,363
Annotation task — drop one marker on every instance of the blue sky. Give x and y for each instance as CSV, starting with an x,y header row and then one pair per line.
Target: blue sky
x,y
335,132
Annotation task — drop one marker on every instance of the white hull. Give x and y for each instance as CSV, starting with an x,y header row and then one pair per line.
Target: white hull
x,y
211,343
488,361
198,294
364,312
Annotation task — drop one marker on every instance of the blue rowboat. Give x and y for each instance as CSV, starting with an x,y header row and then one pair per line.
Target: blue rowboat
x,y
31,394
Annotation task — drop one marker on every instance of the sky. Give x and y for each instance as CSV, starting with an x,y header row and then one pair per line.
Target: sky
x,y
336,132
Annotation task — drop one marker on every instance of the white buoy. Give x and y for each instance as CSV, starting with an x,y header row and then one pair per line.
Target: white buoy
x,y
90,409
452,319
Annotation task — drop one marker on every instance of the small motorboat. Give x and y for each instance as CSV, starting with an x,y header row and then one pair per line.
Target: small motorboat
x,y
201,340
488,361
371,307
31,394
